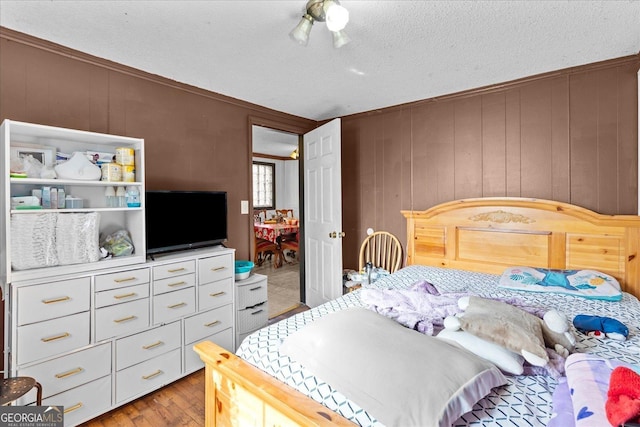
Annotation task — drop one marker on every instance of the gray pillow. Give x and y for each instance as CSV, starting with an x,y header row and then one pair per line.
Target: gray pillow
x,y
399,376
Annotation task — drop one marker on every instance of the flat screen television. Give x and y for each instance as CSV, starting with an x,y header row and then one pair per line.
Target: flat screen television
x,y
182,220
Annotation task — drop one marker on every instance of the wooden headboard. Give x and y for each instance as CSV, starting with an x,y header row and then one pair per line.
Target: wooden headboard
x,y
490,234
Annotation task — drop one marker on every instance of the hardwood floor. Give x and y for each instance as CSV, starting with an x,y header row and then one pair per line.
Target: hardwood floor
x,y
179,404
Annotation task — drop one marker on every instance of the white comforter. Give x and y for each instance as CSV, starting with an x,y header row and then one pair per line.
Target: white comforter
x,y
524,401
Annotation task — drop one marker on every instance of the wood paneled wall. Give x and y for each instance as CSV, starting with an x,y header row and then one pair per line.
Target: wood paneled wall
x,y
569,136
194,139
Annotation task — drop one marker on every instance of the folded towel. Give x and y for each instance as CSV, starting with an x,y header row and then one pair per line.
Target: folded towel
x,y
623,403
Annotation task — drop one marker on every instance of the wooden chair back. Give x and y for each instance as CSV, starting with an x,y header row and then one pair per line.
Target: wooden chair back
x,y
286,213
383,250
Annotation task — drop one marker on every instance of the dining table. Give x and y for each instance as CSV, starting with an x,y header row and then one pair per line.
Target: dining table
x,y
272,232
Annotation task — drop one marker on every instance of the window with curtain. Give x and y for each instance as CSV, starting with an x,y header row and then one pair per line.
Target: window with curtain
x,y
264,185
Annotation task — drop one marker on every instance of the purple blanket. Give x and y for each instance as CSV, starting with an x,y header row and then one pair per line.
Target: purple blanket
x,y
420,307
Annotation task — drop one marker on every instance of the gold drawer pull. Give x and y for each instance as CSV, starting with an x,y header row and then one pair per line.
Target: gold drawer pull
x,y
178,305
69,373
52,301
175,270
125,319
128,279
215,322
218,268
150,346
155,374
73,408
57,337
129,295
256,288
217,294
177,284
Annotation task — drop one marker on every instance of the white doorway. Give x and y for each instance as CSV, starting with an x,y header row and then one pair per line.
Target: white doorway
x,y
277,151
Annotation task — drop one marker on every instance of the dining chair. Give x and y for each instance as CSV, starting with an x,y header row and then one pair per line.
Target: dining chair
x,y
286,213
383,250
260,213
264,249
289,245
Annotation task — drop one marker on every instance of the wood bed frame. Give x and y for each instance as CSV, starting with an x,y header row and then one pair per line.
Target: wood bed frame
x,y
486,235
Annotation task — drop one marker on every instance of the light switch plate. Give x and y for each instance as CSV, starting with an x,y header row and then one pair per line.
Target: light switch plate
x,y
244,206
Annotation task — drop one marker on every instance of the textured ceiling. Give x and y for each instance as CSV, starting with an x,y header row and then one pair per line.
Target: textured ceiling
x,y
401,51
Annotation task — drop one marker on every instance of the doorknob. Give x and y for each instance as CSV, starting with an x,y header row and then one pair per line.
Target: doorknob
x,y
335,234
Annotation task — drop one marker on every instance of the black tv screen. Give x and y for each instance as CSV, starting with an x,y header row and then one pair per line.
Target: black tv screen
x,y
180,220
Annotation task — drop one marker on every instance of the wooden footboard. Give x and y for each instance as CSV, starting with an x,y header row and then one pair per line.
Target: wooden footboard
x,y
239,394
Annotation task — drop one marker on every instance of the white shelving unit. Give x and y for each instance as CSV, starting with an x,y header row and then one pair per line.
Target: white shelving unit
x,y
38,137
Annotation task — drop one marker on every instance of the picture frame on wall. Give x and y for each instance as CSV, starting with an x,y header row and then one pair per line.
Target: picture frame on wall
x,y
45,155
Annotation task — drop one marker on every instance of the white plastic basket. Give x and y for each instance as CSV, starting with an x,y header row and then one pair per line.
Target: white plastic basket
x,y
33,241
77,238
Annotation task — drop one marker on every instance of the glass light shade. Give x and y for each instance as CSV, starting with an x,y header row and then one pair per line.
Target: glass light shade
x,y
301,32
340,38
336,16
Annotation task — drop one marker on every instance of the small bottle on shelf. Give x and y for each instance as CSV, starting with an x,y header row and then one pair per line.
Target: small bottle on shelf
x,y
110,197
133,197
121,196
54,198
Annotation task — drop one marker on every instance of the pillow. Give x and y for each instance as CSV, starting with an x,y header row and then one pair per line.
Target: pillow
x,y
506,360
589,284
398,375
505,325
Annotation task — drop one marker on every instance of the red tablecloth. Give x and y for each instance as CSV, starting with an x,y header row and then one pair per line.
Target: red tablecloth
x,y
272,231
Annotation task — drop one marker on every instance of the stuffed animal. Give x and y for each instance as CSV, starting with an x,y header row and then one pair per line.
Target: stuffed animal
x,y
612,328
514,328
557,333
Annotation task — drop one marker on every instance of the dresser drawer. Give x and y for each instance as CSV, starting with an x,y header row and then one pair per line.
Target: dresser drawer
x,y
173,283
120,295
44,339
192,361
122,319
145,345
252,293
84,402
215,294
143,377
250,319
66,372
204,324
172,305
174,269
51,300
215,268
121,279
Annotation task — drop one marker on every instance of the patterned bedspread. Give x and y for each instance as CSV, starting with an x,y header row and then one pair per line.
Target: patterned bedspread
x,y
524,401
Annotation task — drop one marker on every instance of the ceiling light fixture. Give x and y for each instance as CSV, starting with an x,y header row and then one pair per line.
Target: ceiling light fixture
x,y
329,11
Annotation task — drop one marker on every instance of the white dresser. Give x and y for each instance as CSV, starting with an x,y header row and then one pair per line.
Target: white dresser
x,y
98,340
252,306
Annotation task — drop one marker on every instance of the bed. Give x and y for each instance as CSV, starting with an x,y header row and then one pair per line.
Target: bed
x,y
459,246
